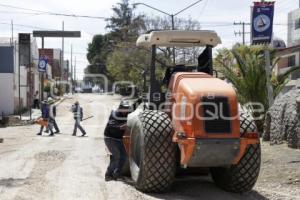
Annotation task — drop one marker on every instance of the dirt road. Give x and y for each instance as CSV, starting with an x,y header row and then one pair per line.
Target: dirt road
x,y
68,168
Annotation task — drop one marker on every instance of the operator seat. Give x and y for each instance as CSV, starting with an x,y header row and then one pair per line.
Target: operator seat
x,y
205,61
171,70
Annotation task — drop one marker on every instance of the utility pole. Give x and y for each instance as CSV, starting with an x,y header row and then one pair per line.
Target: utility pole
x,y
19,80
75,72
12,33
268,72
30,82
62,52
42,74
243,33
173,28
72,69
172,18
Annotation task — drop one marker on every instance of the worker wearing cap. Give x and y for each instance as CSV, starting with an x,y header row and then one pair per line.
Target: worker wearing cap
x,y
45,115
78,115
113,135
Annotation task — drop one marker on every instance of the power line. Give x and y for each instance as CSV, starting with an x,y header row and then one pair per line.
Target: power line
x,y
27,26
40,12
15,12
78,53
203,8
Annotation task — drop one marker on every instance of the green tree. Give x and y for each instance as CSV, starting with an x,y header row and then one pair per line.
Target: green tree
x,y
99,48
244,68
183,55
124,24
128,63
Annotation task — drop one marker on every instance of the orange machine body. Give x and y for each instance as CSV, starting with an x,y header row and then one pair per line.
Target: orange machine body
x,y
187,113
184,105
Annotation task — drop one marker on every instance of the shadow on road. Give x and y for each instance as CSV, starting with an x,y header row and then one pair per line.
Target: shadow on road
x,y
202,187
11,182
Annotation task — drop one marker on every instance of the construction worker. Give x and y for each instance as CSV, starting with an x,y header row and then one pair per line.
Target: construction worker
x,y
52,115
78,115
113,135
45,115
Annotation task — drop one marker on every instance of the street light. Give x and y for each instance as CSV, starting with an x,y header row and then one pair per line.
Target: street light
x,y
170,15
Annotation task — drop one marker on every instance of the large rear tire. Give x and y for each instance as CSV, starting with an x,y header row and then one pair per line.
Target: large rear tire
x,y
152,152
243,176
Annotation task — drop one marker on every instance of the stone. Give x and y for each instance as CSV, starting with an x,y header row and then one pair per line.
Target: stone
x,y
283,120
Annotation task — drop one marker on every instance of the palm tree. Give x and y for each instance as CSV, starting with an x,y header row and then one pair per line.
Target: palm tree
x,y
244,68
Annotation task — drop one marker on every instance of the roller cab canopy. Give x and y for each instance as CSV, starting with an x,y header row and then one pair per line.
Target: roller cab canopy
x,y
179,38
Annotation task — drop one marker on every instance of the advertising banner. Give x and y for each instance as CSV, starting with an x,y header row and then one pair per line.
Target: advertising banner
x,y
42,66
262,22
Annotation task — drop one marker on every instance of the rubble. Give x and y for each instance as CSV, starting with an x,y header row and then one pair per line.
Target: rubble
x,y
283,120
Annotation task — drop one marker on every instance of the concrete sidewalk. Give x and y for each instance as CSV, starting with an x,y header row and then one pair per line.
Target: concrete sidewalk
x,y
35,114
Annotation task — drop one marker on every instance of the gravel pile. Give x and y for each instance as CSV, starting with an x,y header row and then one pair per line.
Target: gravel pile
x,y
283,120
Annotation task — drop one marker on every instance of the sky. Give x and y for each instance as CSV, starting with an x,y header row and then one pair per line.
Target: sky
x,y
215,15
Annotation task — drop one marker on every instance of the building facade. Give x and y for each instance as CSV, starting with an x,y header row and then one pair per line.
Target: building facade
x,y
294,28
289,57
12,98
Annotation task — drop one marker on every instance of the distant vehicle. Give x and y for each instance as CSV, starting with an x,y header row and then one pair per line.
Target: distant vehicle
x,y
87,89
129,90
97,89
78,90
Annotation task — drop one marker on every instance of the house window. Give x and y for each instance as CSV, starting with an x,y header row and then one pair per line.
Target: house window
x,y
297,24
292,61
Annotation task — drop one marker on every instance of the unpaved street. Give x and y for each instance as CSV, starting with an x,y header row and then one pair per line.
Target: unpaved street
x,y
67,168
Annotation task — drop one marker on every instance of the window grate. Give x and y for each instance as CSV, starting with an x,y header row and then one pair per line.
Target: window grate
x,y
216,114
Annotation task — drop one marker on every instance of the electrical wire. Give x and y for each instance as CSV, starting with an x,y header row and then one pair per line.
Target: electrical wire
x,y
15,12
203,8
27,26
40,12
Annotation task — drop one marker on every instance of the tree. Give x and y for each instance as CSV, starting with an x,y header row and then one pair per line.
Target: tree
x,y
183,55
99,48
124,25
116,51
244,68
128,63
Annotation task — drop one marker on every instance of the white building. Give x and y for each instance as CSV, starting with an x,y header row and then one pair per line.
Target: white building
x,y
9,77
294,28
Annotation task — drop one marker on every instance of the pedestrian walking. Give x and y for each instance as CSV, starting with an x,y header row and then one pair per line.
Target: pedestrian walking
x,y
52,115
113,135
36,101
46,118
78,115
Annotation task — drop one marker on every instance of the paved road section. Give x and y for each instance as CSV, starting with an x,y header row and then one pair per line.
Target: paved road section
x,y
69,168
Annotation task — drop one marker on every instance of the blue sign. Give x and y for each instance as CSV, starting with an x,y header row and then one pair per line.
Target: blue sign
x,y
42,66
262,22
